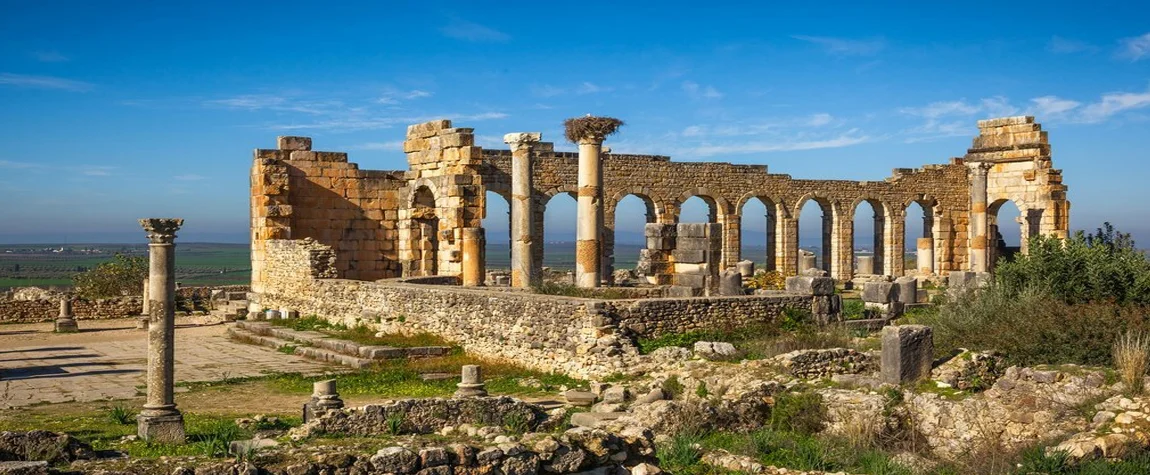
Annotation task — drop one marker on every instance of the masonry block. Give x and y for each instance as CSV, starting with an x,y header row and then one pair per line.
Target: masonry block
x,y
907,353
810,285
880,292
288,142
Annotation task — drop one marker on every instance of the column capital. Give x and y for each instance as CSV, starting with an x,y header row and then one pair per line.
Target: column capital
x,y
979,168
161,230
521,140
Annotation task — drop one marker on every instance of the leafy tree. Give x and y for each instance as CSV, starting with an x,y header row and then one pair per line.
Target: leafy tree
x,y
1100,267
123,275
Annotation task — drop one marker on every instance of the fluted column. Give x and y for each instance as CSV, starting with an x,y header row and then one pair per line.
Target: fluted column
x,y
978,219
160,421
525,270
589,216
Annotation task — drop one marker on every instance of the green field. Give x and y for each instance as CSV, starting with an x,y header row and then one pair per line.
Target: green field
x,y
44,265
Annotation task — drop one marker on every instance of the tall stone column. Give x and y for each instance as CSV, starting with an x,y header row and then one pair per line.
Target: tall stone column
x,y
589,215
160,421
472,247
978,219
526,271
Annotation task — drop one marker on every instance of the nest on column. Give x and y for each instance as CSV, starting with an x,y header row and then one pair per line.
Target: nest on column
x,y
579,128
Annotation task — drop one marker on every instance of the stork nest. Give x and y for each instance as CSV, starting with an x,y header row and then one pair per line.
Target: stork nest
x,y
578,128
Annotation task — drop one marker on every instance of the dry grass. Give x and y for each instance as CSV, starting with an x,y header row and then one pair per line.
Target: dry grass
x,y
579,128
1131,356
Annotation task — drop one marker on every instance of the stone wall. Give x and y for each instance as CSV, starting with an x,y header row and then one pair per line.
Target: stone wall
x,y
653,318
32,311
574,336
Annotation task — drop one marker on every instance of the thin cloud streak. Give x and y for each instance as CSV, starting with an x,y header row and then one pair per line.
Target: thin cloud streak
x,y
845,46
49,57
1135,48
43,82
470,31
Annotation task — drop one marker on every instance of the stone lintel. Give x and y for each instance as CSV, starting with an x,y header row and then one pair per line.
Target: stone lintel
x,y
1005,121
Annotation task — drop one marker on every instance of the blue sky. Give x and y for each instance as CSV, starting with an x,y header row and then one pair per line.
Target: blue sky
x,y
111,111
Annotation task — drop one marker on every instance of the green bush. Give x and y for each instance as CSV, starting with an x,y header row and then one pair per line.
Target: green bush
x,y
123,275
853,309
799,412
1031,328
1100,267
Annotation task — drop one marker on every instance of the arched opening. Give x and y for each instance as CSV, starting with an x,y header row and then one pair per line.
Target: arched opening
x,y
632,213
816,227
757,233
497,229
425,232
559,233
919,238
698,209
1004,231
869,230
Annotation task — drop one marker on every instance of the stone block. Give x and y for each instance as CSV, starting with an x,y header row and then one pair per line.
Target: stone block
x,y
661,244
696,281
288,142
694,244
593,419
810,285
579,398
166,429
715,350
692,230
678,292
689,256
880,292
730,283
37,467
659,230
690,268
907,353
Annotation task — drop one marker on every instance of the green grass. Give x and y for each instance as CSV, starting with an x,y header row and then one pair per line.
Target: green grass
x,y
361,334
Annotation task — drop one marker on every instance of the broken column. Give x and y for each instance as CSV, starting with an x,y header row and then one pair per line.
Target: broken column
x,y
730,283
471,382
472,248
696,255
806,261
865,265
142,322
826,307
525,272
907,290
324,397
160,421
589,133
66,322
907,353
746,268
660,242
978,218
924,254
882,297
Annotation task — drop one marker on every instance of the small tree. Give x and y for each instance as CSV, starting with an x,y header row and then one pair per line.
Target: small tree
x,y
122,275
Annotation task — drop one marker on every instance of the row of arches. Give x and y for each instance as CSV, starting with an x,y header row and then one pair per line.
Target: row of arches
x,y
870,228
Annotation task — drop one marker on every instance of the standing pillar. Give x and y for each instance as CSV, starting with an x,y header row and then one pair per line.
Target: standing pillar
x,y
978,219
474,265
160,421
924,252
589,217
66,322
525,270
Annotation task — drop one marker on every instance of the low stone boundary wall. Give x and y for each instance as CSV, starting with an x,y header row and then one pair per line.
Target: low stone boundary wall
x,y
653,318
579,337
33,311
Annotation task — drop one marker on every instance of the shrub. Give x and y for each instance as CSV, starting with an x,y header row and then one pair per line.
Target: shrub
x,y
672,387
1131,356
853,309
119,414
680,452
1101,267
772,280
800,412
123,275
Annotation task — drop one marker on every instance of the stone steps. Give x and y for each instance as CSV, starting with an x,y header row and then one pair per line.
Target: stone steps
x,y
319,346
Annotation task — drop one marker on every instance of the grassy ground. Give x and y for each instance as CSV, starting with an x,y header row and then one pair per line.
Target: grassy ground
x,y
794,331
360,334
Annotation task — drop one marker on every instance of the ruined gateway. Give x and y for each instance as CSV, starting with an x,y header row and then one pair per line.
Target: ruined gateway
x,y
364,245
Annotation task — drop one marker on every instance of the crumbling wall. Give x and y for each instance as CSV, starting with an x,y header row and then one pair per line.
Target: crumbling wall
x,y
652,318
33,311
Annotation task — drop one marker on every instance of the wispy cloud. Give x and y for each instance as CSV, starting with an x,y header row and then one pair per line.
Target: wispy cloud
x,y
953,118
21,165
469,31
1113,103
373,122
393,96
190,177
696,91
43,82
1135,48
846,139
35,167
393,145
845,46
49,56
1051,106
1060,45
273,102
586,87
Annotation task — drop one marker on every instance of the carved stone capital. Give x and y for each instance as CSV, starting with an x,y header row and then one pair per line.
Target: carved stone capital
x,y
161,230
522,140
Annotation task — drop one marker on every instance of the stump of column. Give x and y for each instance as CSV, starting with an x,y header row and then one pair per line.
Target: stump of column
x,y
865,265
525,271
589,215
924,254
66,322
471,382
474,268
142,322
160,421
